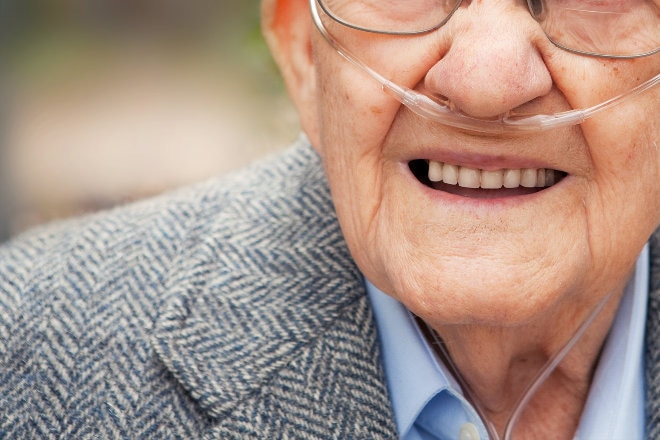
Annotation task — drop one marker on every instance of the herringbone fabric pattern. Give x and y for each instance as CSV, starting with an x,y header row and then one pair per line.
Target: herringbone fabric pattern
x,y
652,359
227,310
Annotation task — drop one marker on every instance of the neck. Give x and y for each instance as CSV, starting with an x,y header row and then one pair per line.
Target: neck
x,y
498,365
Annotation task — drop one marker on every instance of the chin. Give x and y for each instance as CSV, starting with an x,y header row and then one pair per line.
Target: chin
x,y
485,290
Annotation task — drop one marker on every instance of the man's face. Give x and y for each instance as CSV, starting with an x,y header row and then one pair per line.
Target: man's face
x,y
459,255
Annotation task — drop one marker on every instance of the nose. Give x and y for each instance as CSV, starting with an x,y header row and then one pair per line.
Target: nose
x,y
492,64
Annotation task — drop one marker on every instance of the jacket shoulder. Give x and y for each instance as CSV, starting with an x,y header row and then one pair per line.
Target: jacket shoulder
x,y
80,299
155,230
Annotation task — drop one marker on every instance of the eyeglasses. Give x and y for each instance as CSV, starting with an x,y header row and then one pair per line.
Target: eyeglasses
x,y
439,109
604,28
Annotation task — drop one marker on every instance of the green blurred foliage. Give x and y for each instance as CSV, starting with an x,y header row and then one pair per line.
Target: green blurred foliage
x,y
51,40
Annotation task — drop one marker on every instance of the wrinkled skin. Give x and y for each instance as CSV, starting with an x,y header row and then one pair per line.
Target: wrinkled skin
x,y
490,275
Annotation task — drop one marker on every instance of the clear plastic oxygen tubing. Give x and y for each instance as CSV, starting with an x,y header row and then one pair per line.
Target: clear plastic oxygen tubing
x,y
534,385
443,112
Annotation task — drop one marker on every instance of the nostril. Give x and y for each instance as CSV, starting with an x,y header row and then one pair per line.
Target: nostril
x,y
454,108
536,8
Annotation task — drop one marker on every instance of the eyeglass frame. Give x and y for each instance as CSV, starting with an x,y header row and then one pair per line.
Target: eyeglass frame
x,y
451,13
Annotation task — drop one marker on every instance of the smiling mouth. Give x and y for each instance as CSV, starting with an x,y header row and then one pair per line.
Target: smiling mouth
x,y
476,183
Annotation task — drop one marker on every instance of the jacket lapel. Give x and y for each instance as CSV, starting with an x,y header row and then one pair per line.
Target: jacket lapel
x,y
266,324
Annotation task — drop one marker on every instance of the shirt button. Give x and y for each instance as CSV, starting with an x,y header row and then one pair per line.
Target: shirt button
x,y
468,432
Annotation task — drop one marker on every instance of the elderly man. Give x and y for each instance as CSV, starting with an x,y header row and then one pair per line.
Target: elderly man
x,y
456,249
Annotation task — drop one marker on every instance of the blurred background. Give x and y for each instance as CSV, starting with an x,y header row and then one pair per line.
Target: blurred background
x,y
107,101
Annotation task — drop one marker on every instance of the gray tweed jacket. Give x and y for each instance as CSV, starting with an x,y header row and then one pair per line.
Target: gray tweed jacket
x,y
231,309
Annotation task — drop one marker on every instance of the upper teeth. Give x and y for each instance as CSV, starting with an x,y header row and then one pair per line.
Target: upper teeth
x,y
474,178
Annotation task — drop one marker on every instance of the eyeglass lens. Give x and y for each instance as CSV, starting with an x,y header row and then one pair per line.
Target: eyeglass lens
x,y
619,28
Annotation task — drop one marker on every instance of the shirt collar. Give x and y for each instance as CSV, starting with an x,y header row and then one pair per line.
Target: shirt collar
x,y
615,406
415,376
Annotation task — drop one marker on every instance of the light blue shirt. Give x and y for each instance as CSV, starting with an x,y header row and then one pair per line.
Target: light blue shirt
x,y
428,402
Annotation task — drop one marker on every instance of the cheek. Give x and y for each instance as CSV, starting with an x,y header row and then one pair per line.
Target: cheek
x,y
623,204
352,126
625,154
623,141
353,108
355,118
